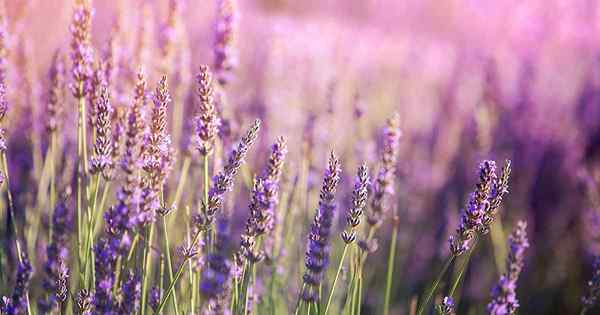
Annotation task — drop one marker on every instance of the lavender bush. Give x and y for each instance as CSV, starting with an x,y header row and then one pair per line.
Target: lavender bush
x,y
177,157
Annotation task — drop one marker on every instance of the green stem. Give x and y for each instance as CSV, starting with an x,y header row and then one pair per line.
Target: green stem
x,y
147,268
390,271
169,264
462,269
435,284
337,274
12,214
177,276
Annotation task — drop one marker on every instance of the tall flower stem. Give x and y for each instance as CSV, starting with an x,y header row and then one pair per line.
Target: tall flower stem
x,y
435,285
14,225
337,275
53,143
462,269
390,271
169,264
178,274
147,266
11,205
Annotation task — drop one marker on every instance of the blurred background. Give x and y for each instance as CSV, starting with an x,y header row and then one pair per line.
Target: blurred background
x,y
471,80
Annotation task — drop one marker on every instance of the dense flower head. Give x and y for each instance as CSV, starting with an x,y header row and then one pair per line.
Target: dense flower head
x,y
206,120
57,253
383,187
223,181
360,194
446,307
593,290
157,155
102,160
81,48
478,215
504,296
317,251
20,297
84,302
3,110
128,299
225,50
56,93
216,275
3,50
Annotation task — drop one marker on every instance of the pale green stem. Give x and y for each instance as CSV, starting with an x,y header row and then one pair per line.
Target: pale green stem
x,y
147,267
177,276
169,264
337,274
434,286
390,271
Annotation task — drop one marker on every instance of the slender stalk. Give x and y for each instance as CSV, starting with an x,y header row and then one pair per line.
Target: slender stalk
x,y
337,274
147,267
435,284
177,276
12,214
181,184
390,271
462,269
169,264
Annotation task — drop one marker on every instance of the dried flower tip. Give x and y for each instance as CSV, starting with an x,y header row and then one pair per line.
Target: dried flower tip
x,y
206,121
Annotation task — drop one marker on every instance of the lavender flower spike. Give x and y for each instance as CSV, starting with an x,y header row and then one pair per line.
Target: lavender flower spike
x,y
81,48
216,275
504,298
102,159
446,307
57,255
19,302
591,298
359,202
384,183
56,94
223,181
317,250
207,120
472,217
225,54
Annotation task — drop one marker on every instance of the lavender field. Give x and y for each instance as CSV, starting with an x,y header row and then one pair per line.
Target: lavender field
x,y
306,157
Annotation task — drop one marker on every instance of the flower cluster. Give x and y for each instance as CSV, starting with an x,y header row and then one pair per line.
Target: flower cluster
x,y
481,207
317,250
504,296
383,187
57,254
360,194
206,121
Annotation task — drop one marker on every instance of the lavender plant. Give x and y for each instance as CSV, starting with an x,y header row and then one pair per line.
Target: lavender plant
x,y
177,209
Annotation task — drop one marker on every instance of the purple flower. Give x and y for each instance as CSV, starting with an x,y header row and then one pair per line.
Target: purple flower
x,y
217,273
360,194
225,52
383,188
223,181
102,159
56,93
504,296
593,293
207,121
57,254
481,207
81,48
129,297
317,249
446,307
20,297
